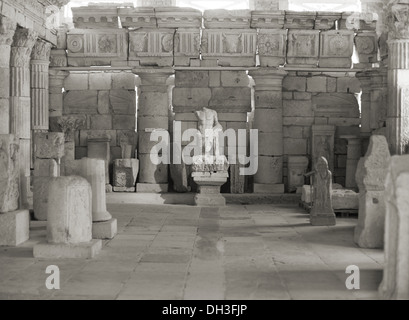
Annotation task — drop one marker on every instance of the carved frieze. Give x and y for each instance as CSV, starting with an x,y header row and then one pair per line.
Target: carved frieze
x,y
272,47
186,46
366,44
299,20
152,46
267,19
303,47
58,58
231,47
326,20
336,48
140,17
96,47
178,17
95,17
223,19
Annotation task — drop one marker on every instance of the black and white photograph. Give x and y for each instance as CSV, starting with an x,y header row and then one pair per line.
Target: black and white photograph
x,y
207,156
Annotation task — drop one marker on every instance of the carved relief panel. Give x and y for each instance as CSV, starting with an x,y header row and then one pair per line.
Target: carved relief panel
x,y
366,44
96,47
336,48
187,46
272,47
303,47
152,46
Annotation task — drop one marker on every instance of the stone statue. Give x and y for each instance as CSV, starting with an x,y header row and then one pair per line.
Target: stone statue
x,y
209,128
322,213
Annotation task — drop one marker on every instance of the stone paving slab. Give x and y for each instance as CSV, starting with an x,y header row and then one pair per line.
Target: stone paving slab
x,y
245,252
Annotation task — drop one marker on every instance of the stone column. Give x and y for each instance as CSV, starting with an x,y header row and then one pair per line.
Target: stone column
x,y
7,29
20,103
398,78
40,61
353,155
153,112
268,119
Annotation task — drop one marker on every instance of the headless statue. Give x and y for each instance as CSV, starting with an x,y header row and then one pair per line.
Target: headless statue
x,y
209,129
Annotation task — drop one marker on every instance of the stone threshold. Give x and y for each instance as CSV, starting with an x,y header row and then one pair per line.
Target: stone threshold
x,y
188,198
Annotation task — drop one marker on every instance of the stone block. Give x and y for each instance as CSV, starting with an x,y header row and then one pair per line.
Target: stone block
x,y
101,122
100,81
268,188
123,80
86,250
139,17
191,97
335,105
123,122
317,84
76,81
231,99
40,197
270,144
298,121
77,102
299,20
86,134
209,188
294,83
336,48
269,99
302,96
152,187
49,145
157,122
272,46
267,15
123,101
295,132
105,230
270,170
295,146
192,79
293,108
234,79
9,173
349,85
303,47
95,17
268,120
46,168
156,103
221,18
297,167
14,227
214,78
150,173
104,105
125,172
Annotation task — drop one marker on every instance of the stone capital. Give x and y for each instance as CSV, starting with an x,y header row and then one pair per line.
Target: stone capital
x,y
153,76
268,78
25,38
41,51
397,19
7,30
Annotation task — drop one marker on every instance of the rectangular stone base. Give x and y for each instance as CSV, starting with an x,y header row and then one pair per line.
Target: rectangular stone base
x,y
323,220
210,200
124,189
14,227
105,229
64,251
152,188
268,188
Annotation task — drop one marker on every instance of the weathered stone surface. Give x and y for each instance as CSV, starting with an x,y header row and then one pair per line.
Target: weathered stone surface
x,y
268,19
152,187
191,97
395,283
14,227
76,81
231,99
268,188
139,17
46,168
291,83
299,20
50,251
272,46
100,81
335,105
326,20
297,167
192,79
40,197
234,79
93,170
69,211
180,17
370,176
95,17
209,188
9,173
105,230
153,174
323,144
49,145
336,48
270,170
125,172
81,102
322,212
317,84
366,44
220,18
303,47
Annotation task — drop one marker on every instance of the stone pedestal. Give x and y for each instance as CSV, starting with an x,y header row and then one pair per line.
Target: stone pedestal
x,y
370,177
353,156
14,227
69,224
209,188
94,171
268,120
99,148
395,283
297,167
125,174
153,112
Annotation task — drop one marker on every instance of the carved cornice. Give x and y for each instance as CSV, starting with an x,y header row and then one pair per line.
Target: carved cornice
x,y
7,30
57,3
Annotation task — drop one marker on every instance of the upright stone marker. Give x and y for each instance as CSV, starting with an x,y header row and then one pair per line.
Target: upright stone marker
x,y
104,226
69,225
395,283
322,213
14,223
370,177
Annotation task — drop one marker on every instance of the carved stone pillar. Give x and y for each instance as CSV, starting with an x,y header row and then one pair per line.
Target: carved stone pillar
x,y
398,78
153,112
40,61
353,156
56,81
20,103
7,29
268,119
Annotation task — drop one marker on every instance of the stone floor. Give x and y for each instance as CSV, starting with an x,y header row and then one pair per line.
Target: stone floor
x,y
184,252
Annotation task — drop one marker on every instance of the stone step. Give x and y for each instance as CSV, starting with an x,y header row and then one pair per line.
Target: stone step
x,y
188,198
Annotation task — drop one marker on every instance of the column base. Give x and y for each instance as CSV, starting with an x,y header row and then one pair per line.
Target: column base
x,y
105,230
323,220
268,188
152,188
67,251
14,227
